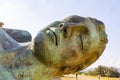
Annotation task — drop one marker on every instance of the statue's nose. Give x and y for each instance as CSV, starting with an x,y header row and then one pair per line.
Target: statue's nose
x,y
97,22
101,27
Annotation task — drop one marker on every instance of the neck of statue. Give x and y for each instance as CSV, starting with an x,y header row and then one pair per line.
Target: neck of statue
x,y
24,65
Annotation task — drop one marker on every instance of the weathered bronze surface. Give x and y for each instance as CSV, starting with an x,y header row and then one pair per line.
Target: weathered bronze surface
x,y
62,47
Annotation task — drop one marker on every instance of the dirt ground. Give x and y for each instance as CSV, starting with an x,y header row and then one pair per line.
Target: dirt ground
x,y
72,77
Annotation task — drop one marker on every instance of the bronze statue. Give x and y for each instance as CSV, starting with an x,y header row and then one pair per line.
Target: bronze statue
x,y
63,47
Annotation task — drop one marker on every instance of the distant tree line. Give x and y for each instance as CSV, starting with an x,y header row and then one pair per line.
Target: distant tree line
x,y
104,72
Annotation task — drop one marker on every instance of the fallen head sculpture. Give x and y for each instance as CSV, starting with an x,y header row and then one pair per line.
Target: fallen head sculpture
x,y
62,47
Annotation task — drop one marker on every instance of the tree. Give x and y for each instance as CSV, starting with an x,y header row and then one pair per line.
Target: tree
x,y
100,70
104,72
91,72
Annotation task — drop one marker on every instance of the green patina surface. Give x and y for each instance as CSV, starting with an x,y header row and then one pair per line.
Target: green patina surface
x,y
62,47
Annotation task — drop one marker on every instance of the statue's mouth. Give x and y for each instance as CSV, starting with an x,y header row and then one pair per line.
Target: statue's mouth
x,y
52,36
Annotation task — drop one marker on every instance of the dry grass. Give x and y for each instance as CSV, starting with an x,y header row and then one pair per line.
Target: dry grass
x,y
87,78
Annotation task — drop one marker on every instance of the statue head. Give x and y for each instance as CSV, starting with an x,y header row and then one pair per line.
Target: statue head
x,y
70,45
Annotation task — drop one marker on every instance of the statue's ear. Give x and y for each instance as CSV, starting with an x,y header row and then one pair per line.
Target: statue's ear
x,y
19,35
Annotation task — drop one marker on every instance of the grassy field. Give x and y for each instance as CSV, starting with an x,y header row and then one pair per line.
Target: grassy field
x,y
87,78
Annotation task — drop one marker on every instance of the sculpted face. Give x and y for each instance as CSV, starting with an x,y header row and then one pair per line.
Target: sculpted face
x,y
70,45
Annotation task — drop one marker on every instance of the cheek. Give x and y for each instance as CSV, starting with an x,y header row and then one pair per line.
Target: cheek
x,y
72,54
69,53
71,48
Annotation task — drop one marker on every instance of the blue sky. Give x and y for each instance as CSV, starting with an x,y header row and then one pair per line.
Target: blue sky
x,y
33,15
